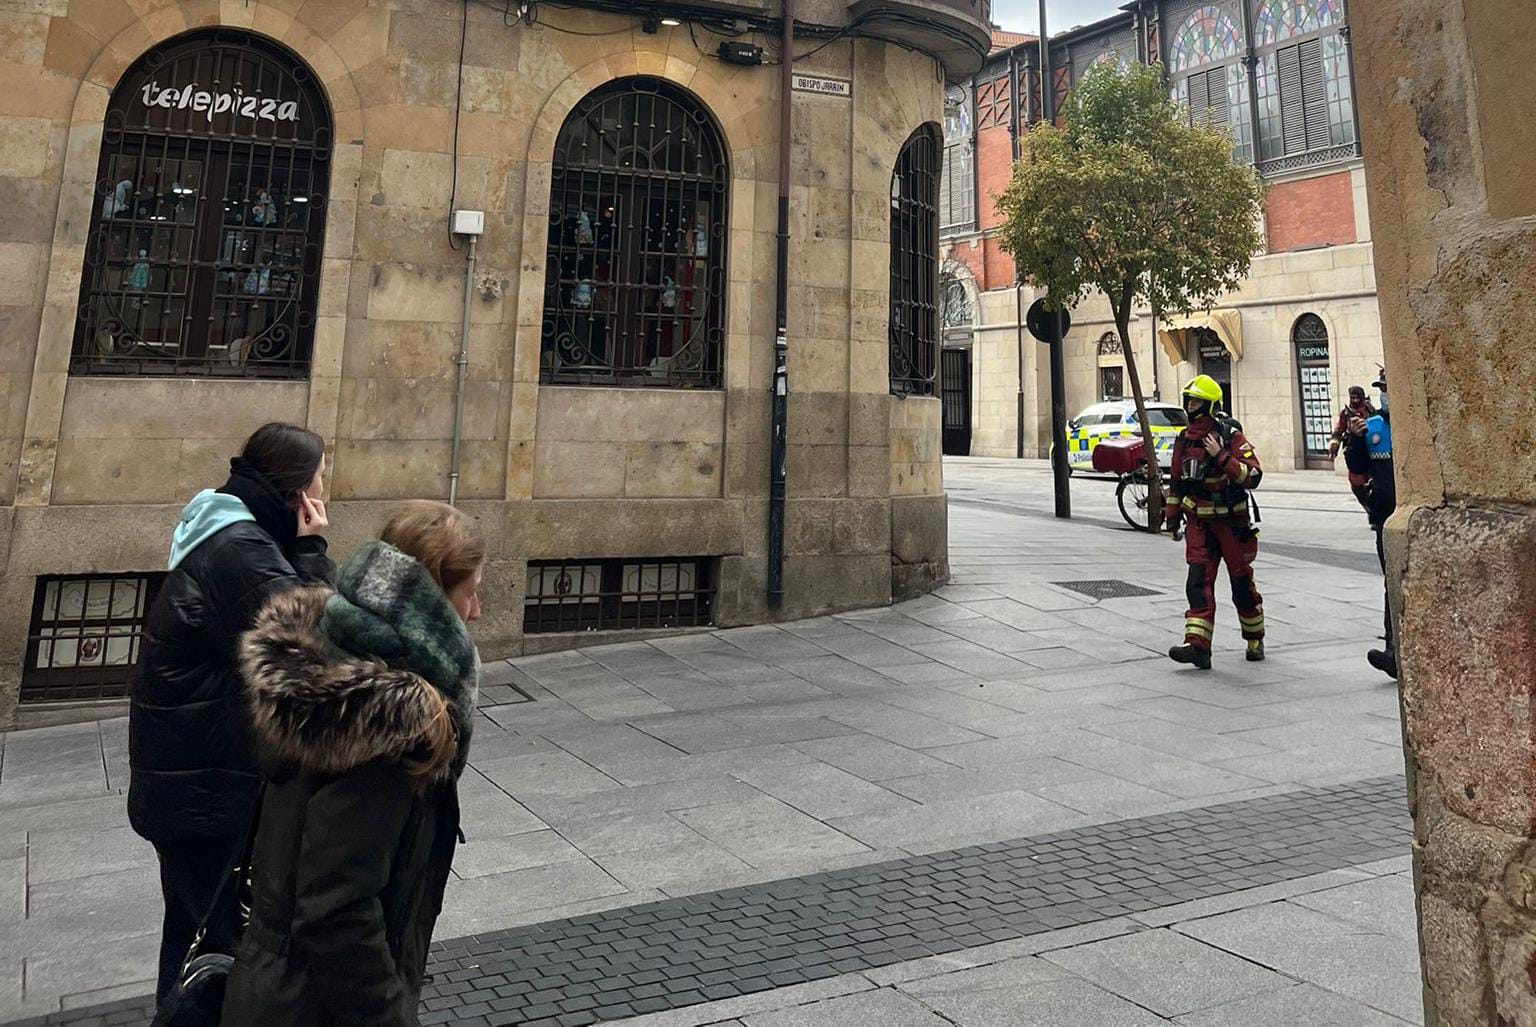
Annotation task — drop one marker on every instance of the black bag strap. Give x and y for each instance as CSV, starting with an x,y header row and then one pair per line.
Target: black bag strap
x,y
228,892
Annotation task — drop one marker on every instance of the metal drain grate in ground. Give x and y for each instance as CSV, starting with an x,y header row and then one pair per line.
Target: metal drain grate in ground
x,y
1107,588
501,684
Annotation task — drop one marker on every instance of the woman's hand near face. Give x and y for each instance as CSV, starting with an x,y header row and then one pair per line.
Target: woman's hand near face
x,y
311,515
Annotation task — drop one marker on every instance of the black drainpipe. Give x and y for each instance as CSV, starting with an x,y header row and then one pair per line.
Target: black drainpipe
x,y
778,487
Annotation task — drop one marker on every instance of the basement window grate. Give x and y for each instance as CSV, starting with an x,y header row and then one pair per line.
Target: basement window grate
x,y
618,594
86,636
1107,588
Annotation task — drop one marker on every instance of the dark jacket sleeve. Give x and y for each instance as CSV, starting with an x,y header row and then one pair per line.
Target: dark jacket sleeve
x,y
311,563
245,570
351,836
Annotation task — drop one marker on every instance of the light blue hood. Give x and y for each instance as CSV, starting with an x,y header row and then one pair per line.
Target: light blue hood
x,y
208,514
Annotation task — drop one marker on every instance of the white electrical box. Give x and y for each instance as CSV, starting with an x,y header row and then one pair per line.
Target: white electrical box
x,y
469,222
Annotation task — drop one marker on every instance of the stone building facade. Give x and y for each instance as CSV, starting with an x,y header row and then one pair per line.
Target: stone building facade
x,y
615,443
1304,325
1447,87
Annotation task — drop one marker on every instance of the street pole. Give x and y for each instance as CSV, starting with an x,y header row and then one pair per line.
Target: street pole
x,y
1060,472
778,456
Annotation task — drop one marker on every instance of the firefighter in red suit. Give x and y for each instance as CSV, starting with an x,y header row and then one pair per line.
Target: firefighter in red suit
x,y
1359,409
1214,467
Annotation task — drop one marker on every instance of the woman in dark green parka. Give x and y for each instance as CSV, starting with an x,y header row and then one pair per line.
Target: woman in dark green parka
x,y
361,702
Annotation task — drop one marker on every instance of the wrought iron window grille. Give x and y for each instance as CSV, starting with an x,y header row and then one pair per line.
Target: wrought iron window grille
x,y
208,216
85,636
635,277
914,351
618,594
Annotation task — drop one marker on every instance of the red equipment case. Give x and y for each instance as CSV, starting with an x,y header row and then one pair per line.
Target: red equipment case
x,y
1118,456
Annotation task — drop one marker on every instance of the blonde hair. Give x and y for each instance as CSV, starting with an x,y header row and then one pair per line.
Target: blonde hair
x,y
443,539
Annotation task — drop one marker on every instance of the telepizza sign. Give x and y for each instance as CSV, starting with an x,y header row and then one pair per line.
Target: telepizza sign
x,y
212,103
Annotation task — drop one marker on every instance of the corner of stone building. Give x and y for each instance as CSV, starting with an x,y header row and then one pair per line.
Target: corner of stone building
x,y
919,545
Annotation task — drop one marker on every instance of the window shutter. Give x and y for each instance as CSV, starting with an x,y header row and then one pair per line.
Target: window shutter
x,y
1314,93
1220,103
946,194
1292,111
1199,99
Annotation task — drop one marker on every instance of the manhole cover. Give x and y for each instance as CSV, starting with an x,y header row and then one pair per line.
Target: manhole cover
x,y
1108,588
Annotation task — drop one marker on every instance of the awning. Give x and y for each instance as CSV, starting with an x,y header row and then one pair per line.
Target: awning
x,y
1175,333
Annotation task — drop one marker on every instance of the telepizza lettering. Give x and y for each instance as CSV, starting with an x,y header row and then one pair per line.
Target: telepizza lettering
x,y
237,103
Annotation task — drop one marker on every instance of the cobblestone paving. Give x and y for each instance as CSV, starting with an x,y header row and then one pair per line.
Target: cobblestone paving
x,y
695,949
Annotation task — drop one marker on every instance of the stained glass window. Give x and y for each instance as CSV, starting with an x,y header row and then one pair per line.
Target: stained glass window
x,y
1303,87
1208,35
1279,20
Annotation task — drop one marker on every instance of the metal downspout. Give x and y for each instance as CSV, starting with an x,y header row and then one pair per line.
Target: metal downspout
x,y
462,361
778,486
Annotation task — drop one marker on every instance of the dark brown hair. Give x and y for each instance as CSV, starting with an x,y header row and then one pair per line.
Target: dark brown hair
x,y
441,537
286,455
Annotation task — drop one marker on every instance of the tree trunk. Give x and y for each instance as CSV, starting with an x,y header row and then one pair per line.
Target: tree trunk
x,y
1153,471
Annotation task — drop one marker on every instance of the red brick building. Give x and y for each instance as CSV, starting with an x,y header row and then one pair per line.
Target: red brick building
x,y
1301,330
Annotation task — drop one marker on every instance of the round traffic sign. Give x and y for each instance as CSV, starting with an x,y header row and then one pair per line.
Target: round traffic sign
x,y
1042,322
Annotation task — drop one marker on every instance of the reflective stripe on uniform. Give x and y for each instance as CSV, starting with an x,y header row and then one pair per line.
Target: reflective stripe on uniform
x,y
1198,626
1255,622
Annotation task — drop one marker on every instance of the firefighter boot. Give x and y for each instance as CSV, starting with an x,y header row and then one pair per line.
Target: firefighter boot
x,y
1255,650
1191,654
1384,660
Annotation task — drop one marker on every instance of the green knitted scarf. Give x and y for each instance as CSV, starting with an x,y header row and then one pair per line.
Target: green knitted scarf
x,y
387,606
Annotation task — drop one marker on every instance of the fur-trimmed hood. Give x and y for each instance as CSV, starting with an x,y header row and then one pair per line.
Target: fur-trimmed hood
x,y
321,708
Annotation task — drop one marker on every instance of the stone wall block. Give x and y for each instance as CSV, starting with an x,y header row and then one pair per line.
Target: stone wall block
x,y
1469,653
631,415
561,529
570,470
673,469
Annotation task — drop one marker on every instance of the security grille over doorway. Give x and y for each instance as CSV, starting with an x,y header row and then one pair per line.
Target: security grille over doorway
x,y
635,276
209,214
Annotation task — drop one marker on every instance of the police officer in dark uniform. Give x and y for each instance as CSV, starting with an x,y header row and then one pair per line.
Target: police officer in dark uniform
x,y
1382,502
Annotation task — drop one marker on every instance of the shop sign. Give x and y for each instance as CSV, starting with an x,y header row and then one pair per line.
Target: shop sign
x,y
1312,352
237,103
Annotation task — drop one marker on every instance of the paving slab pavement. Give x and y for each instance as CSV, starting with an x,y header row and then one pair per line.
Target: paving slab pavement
x,y
1004,705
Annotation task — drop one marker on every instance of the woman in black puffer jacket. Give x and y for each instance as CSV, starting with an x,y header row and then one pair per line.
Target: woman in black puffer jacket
x,y
193,774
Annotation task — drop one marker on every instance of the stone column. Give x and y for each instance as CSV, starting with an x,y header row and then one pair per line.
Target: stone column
x,y
1447,93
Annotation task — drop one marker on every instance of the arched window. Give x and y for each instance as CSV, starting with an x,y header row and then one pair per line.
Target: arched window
x,y
957,187
206,228
1209,81
1111,367
914,265
634,289
1314,382
1301,79
955,311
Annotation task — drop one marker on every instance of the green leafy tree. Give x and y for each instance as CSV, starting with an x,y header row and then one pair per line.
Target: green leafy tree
x,y
1127,200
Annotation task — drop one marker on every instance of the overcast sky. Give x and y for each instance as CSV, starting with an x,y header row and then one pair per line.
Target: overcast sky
x,y
1024,15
